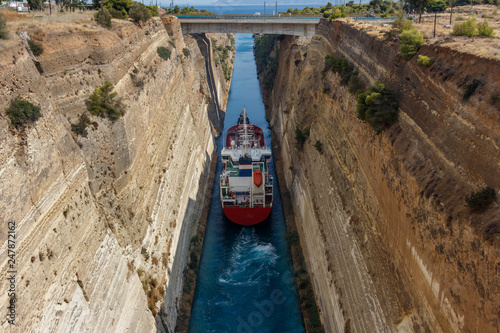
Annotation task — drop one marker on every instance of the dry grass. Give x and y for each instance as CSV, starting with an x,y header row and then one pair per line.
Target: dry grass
x,y
479,46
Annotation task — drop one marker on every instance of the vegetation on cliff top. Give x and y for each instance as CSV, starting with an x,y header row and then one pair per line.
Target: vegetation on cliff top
x,y
103,102
103,18
22,112
139,12
188,11
471,28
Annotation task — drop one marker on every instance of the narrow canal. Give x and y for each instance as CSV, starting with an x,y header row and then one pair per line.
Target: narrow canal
x,y
245,283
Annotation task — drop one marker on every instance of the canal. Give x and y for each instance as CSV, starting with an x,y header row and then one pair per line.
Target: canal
x,y
245,282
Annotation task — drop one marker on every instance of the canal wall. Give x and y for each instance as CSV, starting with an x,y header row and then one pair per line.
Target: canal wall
x,y
388,241
103,222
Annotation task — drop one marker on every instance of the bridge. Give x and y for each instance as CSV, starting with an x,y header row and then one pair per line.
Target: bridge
x,y
255,24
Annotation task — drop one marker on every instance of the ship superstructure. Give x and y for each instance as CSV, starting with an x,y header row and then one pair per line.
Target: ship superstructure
x,y
246,186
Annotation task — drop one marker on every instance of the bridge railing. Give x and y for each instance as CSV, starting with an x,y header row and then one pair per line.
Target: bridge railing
x,y
247,16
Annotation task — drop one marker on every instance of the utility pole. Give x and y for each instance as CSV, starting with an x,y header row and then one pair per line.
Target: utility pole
x,y
264,8
451,11
276,8
435,19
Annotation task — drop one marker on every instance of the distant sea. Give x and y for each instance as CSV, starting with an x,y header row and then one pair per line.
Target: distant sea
x,y
251,9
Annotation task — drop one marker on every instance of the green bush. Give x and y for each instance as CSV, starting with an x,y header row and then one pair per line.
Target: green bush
x,y
480,200
378,106
103,17
471,89
186,52
153,10
37,49
485,30
338,12
319,146
424,60
103,102
411,41
118,14
400,22
467,28
163,52
356,85
80,128
300,137
21,112
139,12
3,27
341,66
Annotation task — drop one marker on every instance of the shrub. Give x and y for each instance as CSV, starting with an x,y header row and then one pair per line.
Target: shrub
x,y
297,62
103,102
3,27
300,137
186,52
153,10
118,14
80,128
424,60
356,85
411,41
21,112
467,28
400,22
319,146
341,66
163,52
378,106
338,12
103,17
485,30
37,49
471,89
139,12
480,200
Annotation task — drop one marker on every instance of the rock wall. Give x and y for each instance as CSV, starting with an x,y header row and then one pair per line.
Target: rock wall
x,y
103,222
382,218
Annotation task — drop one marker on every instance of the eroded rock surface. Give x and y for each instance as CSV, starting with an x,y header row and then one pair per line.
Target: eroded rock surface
x,y
103,222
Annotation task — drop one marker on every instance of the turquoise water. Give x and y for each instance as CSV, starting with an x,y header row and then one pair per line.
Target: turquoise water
x,y
245,283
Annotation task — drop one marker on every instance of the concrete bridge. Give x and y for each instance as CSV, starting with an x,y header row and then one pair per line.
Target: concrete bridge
x,y
296,26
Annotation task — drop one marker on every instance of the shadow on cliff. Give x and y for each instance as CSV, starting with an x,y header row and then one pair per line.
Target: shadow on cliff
x,y
167,316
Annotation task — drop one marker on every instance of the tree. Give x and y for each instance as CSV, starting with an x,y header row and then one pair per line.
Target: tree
x,y
139,12
22,112
119,5
420,5
378,106
103,17
35,4
411,41
103,102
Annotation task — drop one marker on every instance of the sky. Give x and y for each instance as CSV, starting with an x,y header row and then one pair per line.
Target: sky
x,y
258,2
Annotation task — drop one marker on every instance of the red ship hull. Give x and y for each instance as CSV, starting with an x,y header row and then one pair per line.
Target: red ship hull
x,y
247,215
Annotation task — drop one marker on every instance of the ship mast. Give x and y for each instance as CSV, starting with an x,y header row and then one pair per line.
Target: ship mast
x,y
245,140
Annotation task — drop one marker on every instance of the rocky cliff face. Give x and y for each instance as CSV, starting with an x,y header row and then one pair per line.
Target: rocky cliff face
x,y
382,218
103,222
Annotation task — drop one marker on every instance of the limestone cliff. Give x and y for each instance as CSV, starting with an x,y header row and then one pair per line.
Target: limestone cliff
x,y
103,222
382,218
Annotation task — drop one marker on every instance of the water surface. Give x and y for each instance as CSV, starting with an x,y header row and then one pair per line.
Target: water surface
x,y
245,283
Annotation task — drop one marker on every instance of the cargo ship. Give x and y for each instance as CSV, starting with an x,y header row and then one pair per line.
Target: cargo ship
x,y
246,186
